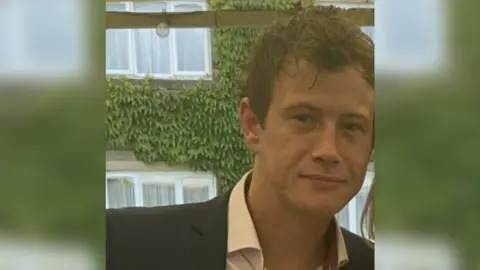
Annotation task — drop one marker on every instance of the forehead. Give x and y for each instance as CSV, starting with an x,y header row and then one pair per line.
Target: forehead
x,y
344,90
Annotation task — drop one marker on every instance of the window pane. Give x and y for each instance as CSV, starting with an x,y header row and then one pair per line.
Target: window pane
x,y
195,194
190,43
361,199
9,34
369,30
117,42
117,49
54,33
152,51
116,7
158,194
343,218
411,46
121,192
146,7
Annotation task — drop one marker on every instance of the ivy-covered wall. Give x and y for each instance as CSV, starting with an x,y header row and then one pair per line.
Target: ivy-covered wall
x,y
197,126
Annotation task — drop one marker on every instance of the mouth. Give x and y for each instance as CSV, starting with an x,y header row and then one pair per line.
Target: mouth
x,y
323,178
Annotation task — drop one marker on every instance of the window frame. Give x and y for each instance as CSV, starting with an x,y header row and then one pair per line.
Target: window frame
x,y
130,49
175,73
176,177
206,42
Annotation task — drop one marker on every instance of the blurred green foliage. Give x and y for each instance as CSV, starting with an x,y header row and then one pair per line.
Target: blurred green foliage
x,y
51,187
428,145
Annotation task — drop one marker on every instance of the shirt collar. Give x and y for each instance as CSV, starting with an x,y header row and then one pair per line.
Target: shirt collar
x,y
241,230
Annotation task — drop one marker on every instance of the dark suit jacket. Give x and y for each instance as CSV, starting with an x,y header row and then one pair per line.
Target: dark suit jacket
x,y
188,237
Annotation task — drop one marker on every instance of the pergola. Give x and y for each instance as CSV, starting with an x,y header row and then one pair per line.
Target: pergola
x,y
223,18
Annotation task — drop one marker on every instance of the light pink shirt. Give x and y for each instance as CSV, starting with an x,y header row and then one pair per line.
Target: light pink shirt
x,y
243,250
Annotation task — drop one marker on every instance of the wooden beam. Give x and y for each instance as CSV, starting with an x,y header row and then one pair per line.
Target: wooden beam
x,y
214,19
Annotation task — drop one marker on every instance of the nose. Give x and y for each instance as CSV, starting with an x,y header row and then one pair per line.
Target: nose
x,y
325,146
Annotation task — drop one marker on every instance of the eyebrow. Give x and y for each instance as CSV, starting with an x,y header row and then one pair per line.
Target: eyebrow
x,y
356,115
302,105
311,107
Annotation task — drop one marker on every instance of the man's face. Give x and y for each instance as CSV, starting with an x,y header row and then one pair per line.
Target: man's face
x,y
316,142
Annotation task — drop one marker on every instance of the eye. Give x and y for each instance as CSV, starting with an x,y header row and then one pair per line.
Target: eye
x,y
304,118
353,127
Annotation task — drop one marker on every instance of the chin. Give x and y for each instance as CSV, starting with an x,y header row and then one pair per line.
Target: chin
x,y
323,207
328,203
314,202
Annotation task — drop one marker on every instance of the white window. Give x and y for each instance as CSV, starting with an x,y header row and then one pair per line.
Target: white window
x,y
44,40
411,37
350,216
148,189
184,54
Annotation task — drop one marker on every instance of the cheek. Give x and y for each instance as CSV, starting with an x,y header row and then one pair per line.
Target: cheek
x,y
282,147
357,165
285,150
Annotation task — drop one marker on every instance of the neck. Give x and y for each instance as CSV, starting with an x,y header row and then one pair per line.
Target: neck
x,y
285,234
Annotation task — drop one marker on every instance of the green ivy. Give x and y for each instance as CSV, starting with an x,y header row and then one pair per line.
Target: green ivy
x,y
197,127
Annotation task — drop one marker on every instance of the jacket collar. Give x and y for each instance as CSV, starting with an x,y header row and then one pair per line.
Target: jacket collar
x,y
209,228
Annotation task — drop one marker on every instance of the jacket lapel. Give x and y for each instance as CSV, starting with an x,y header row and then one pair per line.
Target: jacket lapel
x,y
206,246
360,254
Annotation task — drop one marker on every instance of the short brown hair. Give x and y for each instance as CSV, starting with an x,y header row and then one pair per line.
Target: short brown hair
x,y
323,36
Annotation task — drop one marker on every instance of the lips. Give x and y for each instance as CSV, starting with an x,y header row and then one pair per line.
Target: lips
x,y
323,178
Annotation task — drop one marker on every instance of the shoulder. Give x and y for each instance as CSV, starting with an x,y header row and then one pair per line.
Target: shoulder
x,y
140,220
360,250
140,216
128,227
148,237
165,221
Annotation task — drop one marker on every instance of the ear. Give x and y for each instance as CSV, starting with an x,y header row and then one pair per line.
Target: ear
x,y
250,126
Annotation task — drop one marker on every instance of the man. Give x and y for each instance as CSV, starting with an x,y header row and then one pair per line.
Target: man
x,y
307,115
